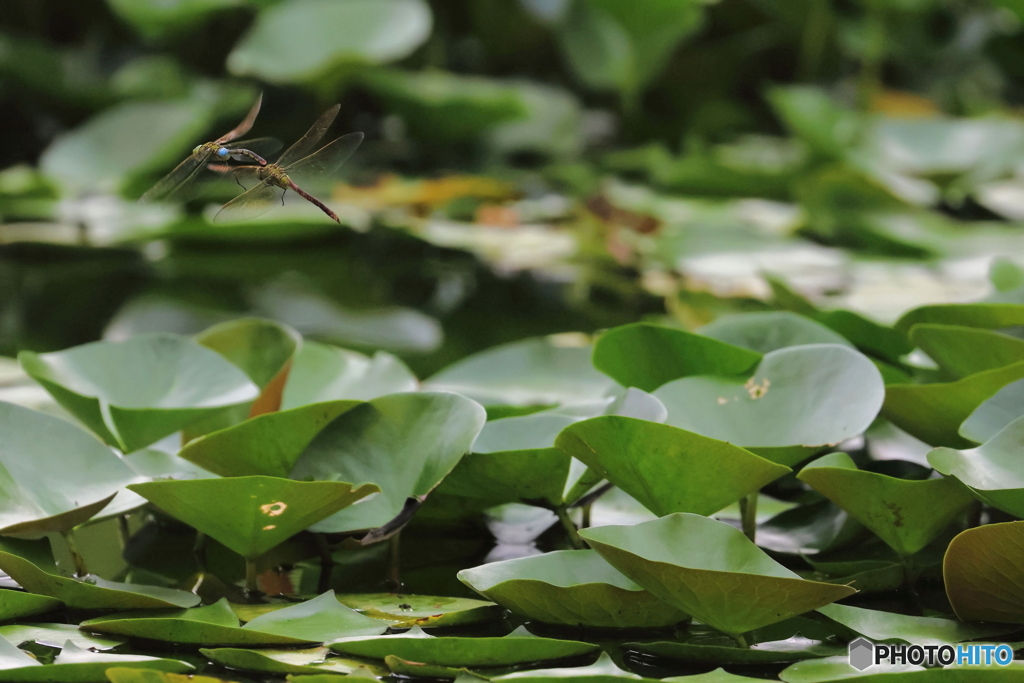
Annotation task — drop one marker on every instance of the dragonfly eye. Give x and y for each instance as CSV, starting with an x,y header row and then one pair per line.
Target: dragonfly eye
x,y
223,152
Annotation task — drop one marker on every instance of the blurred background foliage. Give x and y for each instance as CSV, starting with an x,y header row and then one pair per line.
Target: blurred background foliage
x,y
530,167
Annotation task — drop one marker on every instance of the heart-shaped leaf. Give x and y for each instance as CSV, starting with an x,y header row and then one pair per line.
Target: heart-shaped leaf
x,y
963,351
251,515
770,331
74,665
995,413
135,392
711,571
570,587
281,662
55,635
326,373
982,573
322,618
427,611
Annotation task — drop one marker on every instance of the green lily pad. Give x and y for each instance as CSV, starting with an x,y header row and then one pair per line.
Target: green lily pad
x,y
767,331
988,316
518,647
934,412
92,592
570,587
322,618
711,571
403,667
884,627
74,665
647,356
266,445
259,348
135,392
131,675
44,489
534,371
154,464
311,661
665,468
981,570
995,413
907,515
964,351
604,670
16,604
839,668
716,676
717,652
251,515
428,611
991,471
800,397
403,443
327,373
55,635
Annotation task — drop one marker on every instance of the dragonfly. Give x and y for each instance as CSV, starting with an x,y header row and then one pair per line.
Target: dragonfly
x,y
299,162
177,183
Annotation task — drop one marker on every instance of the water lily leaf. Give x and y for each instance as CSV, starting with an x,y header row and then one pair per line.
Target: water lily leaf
x,y
311,661
327,373
716,676
907,515
428,611
403,443
131,675
665,468
799,397
963,351
154,464
808,529
988,316
74,665
604,669
711,571
570,587
534,371
135,392
766,331
791,649
403,667
414,645
266,445
887,627
45,490
16,604
995,413
251,515
991,471
981,570
93,592
322,618
647,356
300,41
154,19
933,412
839,668
55,635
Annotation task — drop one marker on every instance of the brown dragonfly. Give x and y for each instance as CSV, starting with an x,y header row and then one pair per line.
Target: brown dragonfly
x,y
179,183
299,162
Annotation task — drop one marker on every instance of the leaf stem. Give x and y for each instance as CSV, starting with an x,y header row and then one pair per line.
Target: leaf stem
x,y
570,528
748,515
741,641
80,569
394,562
124,533
251,575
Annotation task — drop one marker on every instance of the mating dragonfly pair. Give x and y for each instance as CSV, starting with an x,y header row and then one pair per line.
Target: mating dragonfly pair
x,y
298,163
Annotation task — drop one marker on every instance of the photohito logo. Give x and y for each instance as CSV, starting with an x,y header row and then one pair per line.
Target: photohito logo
x,y
864,653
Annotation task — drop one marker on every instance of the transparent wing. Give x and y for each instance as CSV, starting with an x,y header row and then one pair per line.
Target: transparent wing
x,y
264,147
250,204
308,142
243,175
242,128
326,160
176,184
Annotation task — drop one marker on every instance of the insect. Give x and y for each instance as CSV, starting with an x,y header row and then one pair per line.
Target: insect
x,y
298,162
178,183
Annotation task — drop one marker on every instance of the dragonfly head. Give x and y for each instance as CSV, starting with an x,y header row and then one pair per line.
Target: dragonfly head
x,y
197,148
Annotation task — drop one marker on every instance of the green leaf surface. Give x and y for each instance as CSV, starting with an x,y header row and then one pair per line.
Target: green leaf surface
x,y
888,627
801,396
415,645
74,665
772,652
716,676
16,604
404,610
326,373
259,348
981,570
711,571
839,668
987,316
266,445
770,331
302,40
647,356
55,635
572,588
135,392
665,468
964,351
93,592
995,413
907,515
322,618
602,671
403,443
251,515
153,18
281,662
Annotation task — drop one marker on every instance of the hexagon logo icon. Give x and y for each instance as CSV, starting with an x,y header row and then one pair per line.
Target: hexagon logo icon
x,y
862,654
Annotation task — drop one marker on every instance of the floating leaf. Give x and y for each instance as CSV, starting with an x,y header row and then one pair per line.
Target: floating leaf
x,y
414,645
711,571
403,443
312,661
604,669
74,665
647,356
716,676
130,675
303,40
988,316
799,397
995,413
570,587
839,669
429,611
982,573
92,592
153,18
963,351
251,515
665,468
723,651
887,627
770,331
16,604
55,635
135,392
326,373
906,514
322,618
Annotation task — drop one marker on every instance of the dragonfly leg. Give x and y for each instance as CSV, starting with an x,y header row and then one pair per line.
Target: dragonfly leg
x,y
239,182
283,193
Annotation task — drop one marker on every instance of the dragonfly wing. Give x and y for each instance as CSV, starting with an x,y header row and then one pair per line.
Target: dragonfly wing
x,y
250,204
308,142
176,184
326,160
265,147
242,128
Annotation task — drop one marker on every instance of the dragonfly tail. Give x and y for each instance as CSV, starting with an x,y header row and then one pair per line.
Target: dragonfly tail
x,y
313,200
